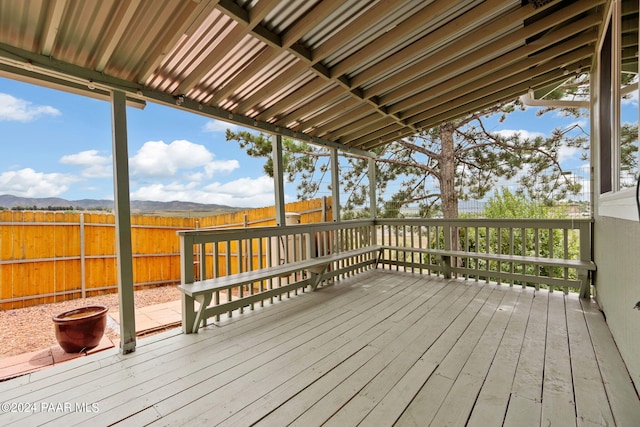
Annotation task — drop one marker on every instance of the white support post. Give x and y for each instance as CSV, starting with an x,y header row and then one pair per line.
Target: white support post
x,y
335,185
278,180
123,222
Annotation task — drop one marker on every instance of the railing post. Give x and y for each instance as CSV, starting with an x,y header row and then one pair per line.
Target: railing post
x,y
585,255
446,260
187,276
202,258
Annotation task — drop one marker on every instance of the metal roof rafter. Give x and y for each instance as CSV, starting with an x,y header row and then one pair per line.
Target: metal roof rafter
x,y
302,53
451,90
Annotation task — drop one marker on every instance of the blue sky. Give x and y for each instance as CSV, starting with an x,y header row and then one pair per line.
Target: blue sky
x,y
56,144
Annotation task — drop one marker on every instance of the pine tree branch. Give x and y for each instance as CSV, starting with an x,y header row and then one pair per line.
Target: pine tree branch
x,y
414,147
416,165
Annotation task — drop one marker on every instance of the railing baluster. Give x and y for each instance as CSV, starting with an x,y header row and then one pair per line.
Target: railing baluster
x,y
512,252
536,237
477,249
499,251
249,264
228,272
486,244
550,244
261,264
239,262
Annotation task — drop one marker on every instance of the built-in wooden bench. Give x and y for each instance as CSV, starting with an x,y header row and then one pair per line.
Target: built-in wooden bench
x,y
202,291
583,267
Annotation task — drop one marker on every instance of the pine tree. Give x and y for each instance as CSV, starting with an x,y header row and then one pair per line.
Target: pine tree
x,y
458,160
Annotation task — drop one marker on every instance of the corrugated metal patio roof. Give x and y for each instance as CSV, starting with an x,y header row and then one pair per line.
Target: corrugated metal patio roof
x,y
351,74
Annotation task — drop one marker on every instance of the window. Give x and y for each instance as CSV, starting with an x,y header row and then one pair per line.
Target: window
x,y
628,123
618,99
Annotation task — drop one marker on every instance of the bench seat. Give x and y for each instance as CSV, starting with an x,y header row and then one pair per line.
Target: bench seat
x,y
202,291
522,259
583,267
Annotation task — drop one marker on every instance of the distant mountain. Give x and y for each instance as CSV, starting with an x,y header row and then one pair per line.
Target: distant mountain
x,y
7,201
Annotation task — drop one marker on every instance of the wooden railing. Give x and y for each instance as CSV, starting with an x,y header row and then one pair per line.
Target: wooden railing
x,y
207,254
552,253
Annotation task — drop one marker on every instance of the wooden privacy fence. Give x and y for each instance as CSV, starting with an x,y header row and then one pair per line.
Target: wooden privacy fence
x,y
54,256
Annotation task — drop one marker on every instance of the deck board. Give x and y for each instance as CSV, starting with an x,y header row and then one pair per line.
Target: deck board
x,y
491,405
558,403
379,348
461,398
592,406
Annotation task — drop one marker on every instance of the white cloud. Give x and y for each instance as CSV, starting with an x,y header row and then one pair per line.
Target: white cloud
x,y
221,166
219,126
94,165
29,183
244,192
244,187
158,159
569,153
630,99
15,109
523,133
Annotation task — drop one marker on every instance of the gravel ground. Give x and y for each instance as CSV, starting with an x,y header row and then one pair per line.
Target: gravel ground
x,y
29,329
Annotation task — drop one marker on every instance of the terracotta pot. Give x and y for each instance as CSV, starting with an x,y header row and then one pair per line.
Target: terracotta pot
x,y
80,329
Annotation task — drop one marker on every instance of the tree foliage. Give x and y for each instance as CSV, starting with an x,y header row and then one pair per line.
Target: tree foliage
x,y
505,204
522,241
578,88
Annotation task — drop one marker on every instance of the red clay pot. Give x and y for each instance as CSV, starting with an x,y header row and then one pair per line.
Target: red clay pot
x,y
80,329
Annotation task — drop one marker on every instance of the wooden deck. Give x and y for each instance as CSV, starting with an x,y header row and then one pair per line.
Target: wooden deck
x,y
380,348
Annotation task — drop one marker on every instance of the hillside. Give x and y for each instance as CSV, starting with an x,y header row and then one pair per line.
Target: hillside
x,y
137,206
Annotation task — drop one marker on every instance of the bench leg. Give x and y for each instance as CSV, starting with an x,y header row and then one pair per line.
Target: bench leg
x,y
316,275
445,262
585,284
188,314
378,257
204,301
190,318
